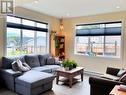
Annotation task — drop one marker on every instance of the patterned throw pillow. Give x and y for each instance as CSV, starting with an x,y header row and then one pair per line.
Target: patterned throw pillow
x,y
14,66
23,66
56,59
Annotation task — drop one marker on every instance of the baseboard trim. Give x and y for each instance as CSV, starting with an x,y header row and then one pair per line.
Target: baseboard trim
x,y
92,73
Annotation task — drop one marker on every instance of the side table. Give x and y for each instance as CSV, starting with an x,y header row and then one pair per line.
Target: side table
x,y
115,91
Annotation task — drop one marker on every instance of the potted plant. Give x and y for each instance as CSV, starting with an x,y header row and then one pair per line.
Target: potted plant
x,y
55,38
69,64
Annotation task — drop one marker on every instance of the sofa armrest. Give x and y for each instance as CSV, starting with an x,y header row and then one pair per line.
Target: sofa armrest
x,y
112,71
10,72
101,86
103,81
8,76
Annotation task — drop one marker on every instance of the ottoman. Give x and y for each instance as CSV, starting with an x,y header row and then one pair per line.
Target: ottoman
x,y
33,83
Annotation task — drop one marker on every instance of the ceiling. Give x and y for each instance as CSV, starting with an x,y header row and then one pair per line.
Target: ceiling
x,y
73,8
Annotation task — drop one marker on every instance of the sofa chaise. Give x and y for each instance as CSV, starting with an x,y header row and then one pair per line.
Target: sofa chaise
x,y
33,82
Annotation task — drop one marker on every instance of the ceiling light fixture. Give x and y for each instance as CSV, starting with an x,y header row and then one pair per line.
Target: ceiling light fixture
x,y
36,1
67,14
61,25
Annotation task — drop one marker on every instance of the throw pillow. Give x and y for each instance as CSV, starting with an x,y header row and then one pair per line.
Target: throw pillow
x,y
26,65
32,60
56,59
121,72
50,60
6,62
23,66
123,78
14,66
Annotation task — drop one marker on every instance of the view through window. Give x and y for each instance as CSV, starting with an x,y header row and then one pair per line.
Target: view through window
x,y
26,36
101,39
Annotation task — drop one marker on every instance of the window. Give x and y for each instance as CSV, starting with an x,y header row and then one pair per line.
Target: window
x,y
99,39
41,42
42,25
28,41
28,22
26,36
13,19
13,41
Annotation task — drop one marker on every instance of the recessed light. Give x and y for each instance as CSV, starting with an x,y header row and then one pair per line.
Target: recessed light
x,y
67,14
117,7
36,1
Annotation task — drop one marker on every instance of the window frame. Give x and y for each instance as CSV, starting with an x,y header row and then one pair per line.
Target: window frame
x,y
101,56
35,34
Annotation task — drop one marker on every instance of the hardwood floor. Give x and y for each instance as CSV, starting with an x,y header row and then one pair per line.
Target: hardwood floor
x,y
80,88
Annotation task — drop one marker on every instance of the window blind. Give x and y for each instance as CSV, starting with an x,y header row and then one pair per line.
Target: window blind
x,y
21,26
99,29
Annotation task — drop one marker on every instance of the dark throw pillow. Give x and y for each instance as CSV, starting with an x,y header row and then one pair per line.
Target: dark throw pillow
x,y
50,60
43,58
6,62
14,66
32,60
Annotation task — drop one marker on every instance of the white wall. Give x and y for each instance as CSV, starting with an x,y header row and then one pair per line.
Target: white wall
x,y
2,20
97,64
90,63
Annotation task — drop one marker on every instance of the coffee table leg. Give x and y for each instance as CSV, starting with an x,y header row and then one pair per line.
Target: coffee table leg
x,y
82,77
57,79
70,82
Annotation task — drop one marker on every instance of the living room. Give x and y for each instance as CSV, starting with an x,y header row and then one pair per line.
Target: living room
x,y
57,13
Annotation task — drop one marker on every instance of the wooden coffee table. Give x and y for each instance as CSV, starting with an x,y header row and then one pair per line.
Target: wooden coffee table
x,y
69,74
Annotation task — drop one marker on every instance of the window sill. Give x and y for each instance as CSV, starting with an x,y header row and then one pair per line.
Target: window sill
x,y
97,56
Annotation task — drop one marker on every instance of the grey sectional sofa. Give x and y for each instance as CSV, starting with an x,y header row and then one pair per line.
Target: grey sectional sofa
x,y
33,82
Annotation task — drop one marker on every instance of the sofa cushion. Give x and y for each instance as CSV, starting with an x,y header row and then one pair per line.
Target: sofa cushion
x,y
6,61
53,67
50,60
46,68
21,58
43,58
42,69
34,78
32,60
